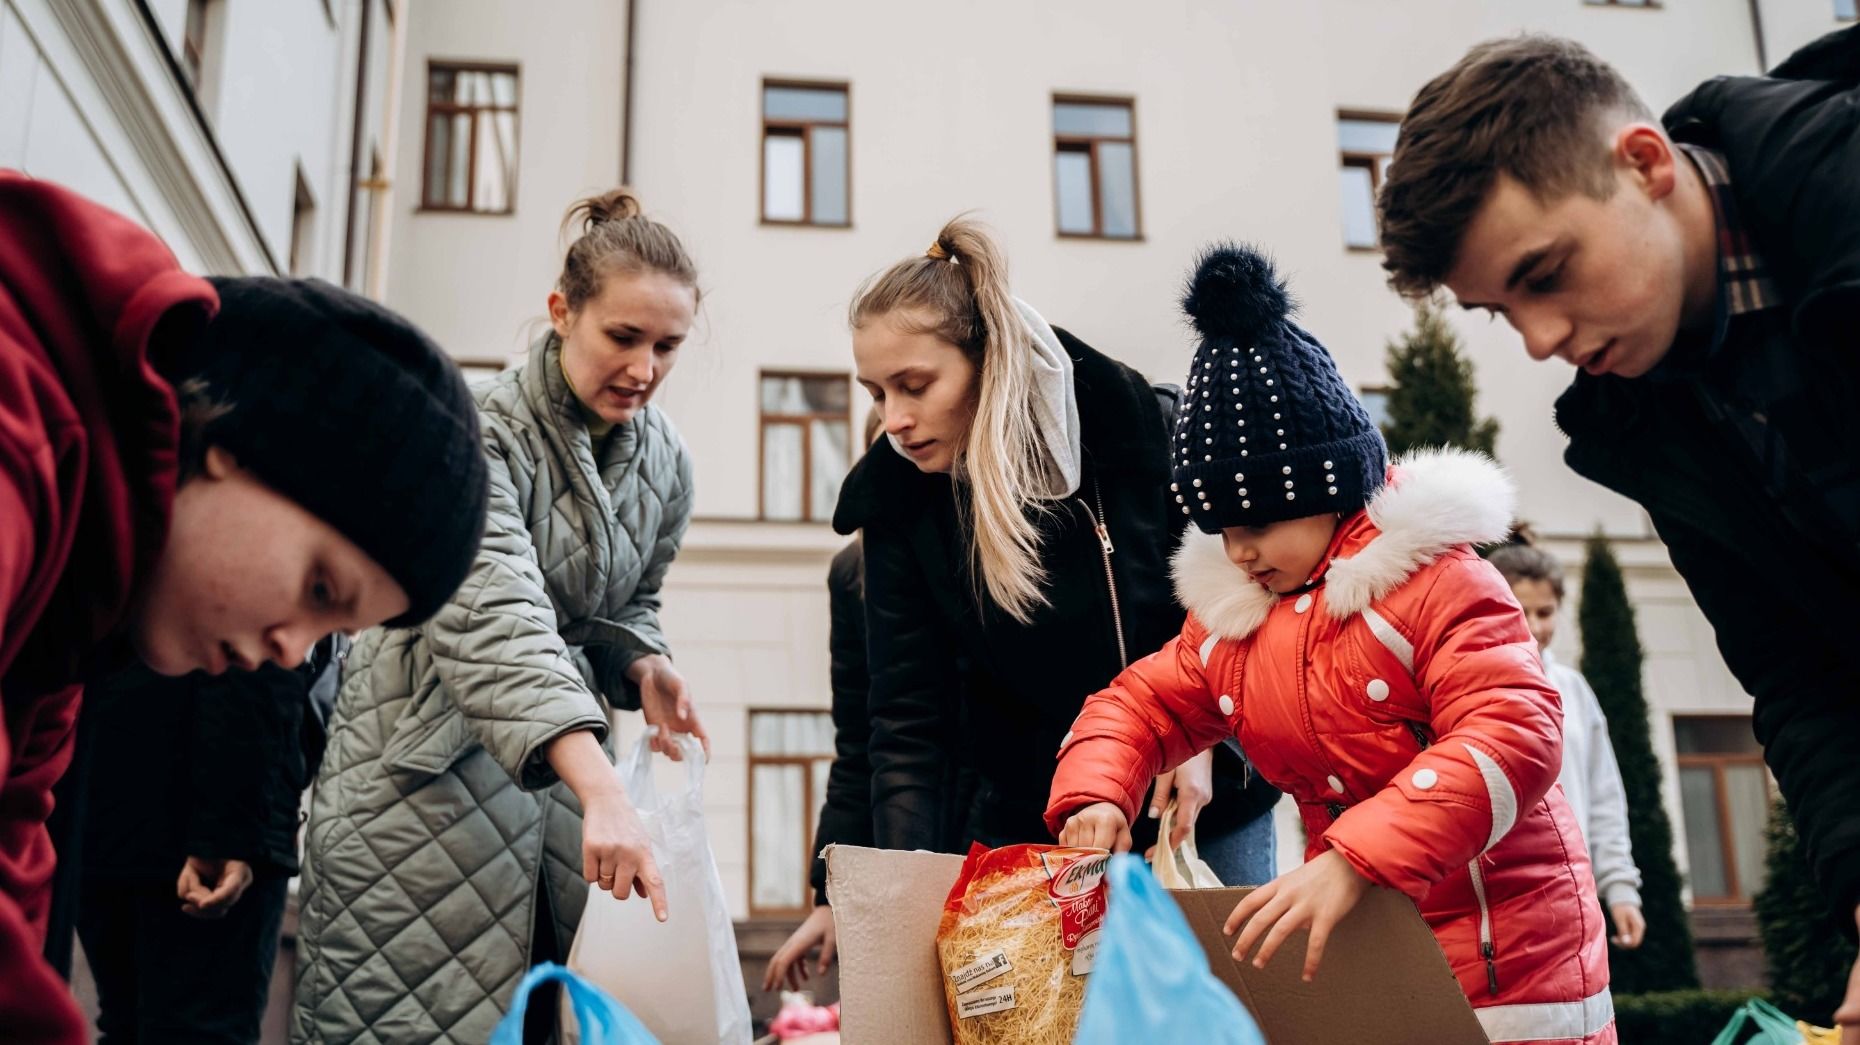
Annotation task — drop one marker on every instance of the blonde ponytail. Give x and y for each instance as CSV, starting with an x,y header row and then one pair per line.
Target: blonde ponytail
x,y
960,285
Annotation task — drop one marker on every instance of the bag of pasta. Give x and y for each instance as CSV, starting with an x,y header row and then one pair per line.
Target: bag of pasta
x,y
1018,935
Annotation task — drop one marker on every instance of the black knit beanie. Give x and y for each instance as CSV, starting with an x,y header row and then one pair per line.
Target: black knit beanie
x,y
1268,430
351,411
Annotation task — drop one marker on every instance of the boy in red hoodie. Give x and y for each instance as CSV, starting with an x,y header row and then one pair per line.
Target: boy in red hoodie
x,y
1371,666
204,474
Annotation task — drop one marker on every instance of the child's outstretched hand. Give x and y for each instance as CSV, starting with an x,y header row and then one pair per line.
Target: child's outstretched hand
x,y
1100,825
1315,897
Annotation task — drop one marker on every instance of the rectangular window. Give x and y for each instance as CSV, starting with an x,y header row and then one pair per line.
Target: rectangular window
x,y
471,138
805,158
1724,792
1845,10
1095,168
1365,143
789,755
1375,400
806,444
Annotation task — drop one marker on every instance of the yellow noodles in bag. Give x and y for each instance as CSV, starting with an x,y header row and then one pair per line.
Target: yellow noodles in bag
x,y
1019,931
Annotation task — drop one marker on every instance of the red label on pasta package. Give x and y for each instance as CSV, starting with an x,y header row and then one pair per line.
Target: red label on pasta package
x,y
1076,886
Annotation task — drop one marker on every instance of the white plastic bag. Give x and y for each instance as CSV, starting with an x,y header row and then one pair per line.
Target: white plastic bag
x,y
1181,867
681,978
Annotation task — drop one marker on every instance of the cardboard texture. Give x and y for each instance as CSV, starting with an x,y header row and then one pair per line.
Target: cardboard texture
x,y
886,905
1384,978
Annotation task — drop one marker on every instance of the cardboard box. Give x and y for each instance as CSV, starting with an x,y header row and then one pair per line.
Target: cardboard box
x,y
1384,978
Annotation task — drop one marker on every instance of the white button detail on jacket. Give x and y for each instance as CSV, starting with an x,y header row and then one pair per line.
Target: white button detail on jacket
x,y
1336,785
1227,704
1378,690
1303,604
1425,779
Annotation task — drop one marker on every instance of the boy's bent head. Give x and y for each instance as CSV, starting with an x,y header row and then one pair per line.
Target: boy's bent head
x,y
1531,181
1538,110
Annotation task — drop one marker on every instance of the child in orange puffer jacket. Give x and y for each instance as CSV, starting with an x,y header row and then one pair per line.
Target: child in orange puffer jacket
x,y
1369,663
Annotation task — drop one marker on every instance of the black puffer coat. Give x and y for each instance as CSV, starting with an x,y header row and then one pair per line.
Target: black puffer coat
x,y
953,680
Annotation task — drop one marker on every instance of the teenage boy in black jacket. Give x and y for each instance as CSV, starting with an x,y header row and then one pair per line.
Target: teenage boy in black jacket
x,y
1703,272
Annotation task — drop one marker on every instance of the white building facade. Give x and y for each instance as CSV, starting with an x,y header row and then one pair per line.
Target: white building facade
x,y
799,147
229,128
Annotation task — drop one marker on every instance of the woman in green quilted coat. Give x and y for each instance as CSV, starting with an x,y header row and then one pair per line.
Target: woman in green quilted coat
x,y
466,800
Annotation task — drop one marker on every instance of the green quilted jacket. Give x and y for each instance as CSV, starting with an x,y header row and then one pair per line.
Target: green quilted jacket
x,y
436,820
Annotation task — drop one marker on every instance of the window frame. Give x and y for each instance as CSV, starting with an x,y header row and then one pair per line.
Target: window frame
x,y
804,422
194,38
1370,161
1718,762
802,129
449,109
302,247
810,828
1088,144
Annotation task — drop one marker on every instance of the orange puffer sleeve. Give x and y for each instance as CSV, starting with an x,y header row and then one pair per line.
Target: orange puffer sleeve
x,y
1156,715
1497,729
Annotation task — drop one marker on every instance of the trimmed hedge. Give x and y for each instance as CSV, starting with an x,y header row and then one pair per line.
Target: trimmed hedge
x,y
1691,1017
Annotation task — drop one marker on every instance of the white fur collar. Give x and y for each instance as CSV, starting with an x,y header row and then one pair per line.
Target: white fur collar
x,y
1439,499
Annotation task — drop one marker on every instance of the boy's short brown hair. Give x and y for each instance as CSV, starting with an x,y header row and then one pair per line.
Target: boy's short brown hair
x,y
1526,106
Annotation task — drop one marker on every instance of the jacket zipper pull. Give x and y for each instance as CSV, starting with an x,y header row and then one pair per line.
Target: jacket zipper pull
x,y
1491,967
1104,536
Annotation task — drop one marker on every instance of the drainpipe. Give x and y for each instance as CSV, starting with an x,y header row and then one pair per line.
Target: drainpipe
x,y
383,186
626,100
1756,30
355,145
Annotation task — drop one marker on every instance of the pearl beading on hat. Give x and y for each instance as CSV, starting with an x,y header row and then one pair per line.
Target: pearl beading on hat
x,y
1201,382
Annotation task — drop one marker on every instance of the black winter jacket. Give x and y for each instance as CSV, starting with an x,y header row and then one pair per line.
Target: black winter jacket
x,y
954,679
201,765
1747,454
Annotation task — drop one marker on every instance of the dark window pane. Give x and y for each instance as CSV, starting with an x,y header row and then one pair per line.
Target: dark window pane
x,y
1083,118
459,163
832,455
1376,403
779,795
1358,203
804,103
804,394
438,152
783,169
496,162
1117,182
504,89
1748,795
1698,797
1072,186
829,169
781,471
1367,136
778,733
1715,735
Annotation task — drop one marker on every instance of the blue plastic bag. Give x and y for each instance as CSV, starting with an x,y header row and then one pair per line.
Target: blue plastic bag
x,y
1151,980
603,1021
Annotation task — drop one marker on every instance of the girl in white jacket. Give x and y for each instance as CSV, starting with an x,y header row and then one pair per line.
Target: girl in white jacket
x,y
1591,778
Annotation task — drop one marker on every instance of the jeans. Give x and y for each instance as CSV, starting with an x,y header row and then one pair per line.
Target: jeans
x,y
1247,855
